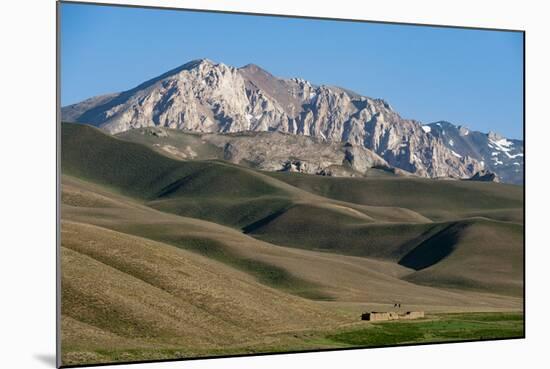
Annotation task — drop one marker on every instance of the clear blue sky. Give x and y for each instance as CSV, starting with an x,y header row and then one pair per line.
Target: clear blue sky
x,y
467,77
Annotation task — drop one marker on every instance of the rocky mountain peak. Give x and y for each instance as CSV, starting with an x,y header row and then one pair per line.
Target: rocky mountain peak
x,y
198,63
193,64
254,68
205,96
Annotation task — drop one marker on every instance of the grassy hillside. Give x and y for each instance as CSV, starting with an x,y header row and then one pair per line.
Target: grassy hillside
x,y
274,211
138,171
436,199
485,255
164,258
339,277
138,290
475,253
307,226
210,190
176,144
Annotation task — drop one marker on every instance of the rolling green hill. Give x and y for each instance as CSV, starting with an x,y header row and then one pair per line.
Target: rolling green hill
x,y
477,253
138,171
210,190
435,199
176,258
277,208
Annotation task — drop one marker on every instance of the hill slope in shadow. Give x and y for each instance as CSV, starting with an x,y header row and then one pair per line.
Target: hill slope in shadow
x,y
197,257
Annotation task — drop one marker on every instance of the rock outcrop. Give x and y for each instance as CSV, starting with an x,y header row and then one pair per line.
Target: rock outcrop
x,y
276,151
485,176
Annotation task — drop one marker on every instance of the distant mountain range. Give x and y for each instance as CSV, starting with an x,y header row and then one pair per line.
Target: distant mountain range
x,y
203,96
498,154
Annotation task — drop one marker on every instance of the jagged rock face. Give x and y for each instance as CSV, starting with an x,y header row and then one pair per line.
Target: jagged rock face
x,y
207,97
275,151
500,155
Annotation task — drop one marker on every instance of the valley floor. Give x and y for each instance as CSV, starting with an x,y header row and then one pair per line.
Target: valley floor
x,y
435,328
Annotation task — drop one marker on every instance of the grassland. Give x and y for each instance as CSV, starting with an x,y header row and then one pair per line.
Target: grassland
x,y
440,328
435,328
435,199
164,258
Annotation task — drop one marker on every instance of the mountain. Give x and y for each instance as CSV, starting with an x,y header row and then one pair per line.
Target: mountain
x,y
203,96
499,154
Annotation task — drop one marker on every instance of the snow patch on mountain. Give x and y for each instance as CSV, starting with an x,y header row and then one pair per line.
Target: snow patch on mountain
x,y
483,147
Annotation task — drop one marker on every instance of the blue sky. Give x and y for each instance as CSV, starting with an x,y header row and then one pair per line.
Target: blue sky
x,y
468,77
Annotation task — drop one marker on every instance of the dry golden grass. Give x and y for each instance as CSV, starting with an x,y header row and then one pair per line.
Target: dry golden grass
x,y
141,282
131,293
172,289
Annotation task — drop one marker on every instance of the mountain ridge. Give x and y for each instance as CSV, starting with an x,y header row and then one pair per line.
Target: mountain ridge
x,y
501,155
209,97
